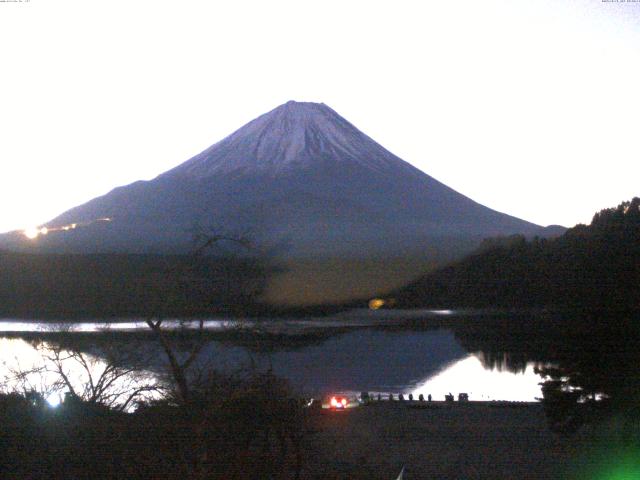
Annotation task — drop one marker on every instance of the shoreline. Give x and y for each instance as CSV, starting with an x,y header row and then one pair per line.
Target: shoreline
x,y
471,440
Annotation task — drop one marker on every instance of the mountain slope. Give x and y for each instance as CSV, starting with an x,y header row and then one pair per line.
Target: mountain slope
x,y
303,181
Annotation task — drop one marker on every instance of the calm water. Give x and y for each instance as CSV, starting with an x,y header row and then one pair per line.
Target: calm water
x,y
348,353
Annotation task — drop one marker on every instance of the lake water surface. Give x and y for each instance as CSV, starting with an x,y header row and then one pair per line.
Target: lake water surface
x,y
346,353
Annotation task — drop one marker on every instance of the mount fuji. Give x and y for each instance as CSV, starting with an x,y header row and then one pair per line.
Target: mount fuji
x,y
348,217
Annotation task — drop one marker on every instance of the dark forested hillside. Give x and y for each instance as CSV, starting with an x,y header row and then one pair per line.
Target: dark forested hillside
x,y
105,285
589,266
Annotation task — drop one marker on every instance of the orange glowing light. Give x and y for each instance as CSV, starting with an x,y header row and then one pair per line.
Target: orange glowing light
x,y
376,303
35,232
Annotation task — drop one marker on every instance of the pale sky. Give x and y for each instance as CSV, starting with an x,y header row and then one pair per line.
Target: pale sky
x,y
528,107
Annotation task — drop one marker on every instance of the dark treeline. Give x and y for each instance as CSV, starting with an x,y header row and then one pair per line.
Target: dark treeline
x,y
595,266
109,285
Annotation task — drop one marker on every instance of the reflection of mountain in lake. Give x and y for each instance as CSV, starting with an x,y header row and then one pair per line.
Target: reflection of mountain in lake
x,y
356,351
592,355
363,359
358,360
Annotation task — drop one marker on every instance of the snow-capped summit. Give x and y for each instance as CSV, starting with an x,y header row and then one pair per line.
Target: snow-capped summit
x,y
293,136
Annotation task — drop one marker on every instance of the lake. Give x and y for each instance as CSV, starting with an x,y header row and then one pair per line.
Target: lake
x,y
409,352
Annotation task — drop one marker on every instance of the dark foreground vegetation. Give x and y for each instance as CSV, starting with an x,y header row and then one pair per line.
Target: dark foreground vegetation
x,y
595,266
259,438
250,430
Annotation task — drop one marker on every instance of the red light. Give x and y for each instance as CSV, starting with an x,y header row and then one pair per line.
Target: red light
x,y
338,402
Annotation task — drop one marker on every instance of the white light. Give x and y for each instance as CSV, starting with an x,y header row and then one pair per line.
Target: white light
x,y
470,376
31,232
442,312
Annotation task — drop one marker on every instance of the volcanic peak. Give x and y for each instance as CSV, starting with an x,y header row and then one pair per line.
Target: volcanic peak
x,y
293,136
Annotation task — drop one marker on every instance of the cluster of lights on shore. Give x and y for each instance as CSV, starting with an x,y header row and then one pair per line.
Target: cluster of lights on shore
x,y
34,232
